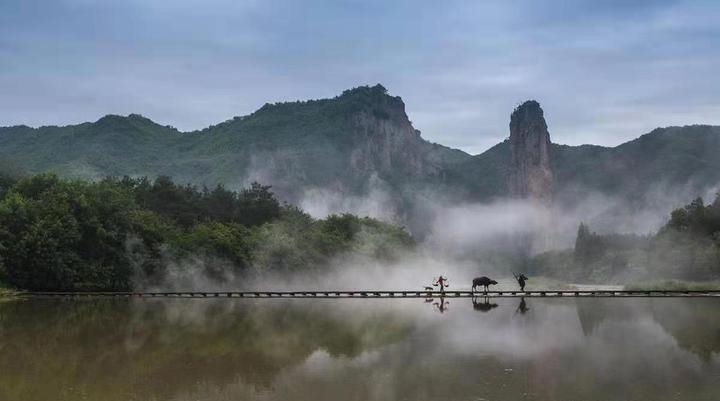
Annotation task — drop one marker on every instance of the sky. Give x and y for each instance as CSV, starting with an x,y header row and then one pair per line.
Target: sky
x,y
604,72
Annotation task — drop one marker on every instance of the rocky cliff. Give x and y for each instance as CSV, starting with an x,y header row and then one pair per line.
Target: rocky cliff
x,y
531,175
386,143
346,144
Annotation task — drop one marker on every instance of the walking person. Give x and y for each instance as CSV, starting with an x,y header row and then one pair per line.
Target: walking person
x,y
442,282
521,280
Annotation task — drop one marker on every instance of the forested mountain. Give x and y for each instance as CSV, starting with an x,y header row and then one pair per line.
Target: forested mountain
x,y
674,156
338,143
345,144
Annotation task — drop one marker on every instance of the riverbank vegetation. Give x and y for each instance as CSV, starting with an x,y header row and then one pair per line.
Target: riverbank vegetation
x,y
115,234
685,249
6,291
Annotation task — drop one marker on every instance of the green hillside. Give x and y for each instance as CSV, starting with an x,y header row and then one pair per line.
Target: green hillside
x,y
337,142
483,176
665,157
344,143
662,159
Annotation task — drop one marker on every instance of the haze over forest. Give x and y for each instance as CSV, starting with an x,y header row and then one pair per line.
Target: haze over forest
x,y
571,212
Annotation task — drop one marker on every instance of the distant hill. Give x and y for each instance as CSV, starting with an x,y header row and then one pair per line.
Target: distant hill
x,y
337,143
686,156
346,144
664,158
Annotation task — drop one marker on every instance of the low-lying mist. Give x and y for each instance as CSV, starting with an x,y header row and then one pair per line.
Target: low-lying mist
x,y
459,228
459,240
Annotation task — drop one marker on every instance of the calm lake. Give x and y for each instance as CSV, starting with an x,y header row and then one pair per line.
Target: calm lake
x,y
354,349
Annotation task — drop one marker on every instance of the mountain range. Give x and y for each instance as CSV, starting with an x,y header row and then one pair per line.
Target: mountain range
x,y
348,144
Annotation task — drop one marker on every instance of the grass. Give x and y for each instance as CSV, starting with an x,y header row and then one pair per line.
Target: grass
x,y
674,285
6,292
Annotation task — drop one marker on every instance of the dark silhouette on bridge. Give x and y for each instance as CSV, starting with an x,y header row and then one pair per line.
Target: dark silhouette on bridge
x,y
484,282
377,294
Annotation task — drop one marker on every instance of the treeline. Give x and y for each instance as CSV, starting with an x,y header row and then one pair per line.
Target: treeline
x,y
590,246
687,247
696,219
117,234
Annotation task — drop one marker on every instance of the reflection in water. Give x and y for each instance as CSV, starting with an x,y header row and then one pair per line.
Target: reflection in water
x,y
484,306
441,305
522,308
141,349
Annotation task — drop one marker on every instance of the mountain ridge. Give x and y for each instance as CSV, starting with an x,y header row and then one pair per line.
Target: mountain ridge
x,y
25,127
171,127
345,143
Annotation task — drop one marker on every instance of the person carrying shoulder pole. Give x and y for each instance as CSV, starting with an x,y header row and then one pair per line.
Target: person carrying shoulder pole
x,y
442,282
521,280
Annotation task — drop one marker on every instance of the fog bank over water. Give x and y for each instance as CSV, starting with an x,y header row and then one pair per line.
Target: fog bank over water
x,y
442,222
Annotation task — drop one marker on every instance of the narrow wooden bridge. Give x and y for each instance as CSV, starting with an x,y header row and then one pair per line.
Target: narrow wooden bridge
x,y
378,294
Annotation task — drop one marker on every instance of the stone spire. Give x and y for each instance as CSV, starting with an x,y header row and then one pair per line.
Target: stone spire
x,y
531,174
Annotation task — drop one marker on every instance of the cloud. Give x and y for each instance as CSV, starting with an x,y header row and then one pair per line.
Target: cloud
x,y
605,72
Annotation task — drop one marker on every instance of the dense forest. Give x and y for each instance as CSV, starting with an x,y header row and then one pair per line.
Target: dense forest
x,y
687,247
125,233
118,234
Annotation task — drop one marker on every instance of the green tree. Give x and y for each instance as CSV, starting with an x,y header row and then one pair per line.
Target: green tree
x,y
65,235
112,234
256,205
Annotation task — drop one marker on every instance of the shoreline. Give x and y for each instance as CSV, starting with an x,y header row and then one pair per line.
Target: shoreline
x,y
7,293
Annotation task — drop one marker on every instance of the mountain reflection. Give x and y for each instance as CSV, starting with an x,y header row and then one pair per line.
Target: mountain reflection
x,y
107,349
359,349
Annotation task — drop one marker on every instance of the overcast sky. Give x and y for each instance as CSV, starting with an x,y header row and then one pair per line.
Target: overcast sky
x,y
604,71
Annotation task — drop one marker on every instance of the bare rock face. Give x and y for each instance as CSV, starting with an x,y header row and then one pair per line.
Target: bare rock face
x,y
387,144
531,174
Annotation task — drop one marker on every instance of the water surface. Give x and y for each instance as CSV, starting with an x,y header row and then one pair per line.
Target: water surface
x,y
355,349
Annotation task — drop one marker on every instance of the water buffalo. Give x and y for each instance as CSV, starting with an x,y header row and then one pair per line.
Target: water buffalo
x,y
482,281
